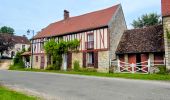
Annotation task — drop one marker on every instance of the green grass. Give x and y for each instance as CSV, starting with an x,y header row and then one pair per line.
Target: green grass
x,y
116,75
7,94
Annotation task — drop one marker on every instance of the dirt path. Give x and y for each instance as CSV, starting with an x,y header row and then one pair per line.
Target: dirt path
x,y
4,64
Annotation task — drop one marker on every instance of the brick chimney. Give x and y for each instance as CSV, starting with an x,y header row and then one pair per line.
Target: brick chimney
x,y
66,14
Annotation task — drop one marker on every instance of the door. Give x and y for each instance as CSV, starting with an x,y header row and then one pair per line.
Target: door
x,y
69,60
42,62
64,61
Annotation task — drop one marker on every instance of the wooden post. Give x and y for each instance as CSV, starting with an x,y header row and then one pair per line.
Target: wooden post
x,y
118,64
133,68
149,65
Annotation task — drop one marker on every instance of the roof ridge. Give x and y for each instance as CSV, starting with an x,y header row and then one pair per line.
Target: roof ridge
x,y
83,14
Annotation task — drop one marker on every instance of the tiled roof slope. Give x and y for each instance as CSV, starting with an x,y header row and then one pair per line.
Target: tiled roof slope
x,y
165,8
84,22
15,39
142,40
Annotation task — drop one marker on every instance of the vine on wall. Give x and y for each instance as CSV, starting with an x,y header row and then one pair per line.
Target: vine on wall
x,y
58,49
168,34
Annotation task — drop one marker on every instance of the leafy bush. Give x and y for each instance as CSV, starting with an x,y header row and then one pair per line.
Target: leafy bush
x,y
88,70
50,67
76,65
17,62
17,66
18,58
162,70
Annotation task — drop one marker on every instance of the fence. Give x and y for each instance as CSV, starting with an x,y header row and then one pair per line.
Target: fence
x,y
142,67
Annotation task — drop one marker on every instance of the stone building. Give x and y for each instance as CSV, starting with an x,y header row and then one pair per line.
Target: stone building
x,y
20,43
166,25
99,33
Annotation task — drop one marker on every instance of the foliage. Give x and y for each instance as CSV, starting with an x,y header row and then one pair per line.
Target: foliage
x,y
168,33
88,70
6,94
6,30
58,49
5,43
50,67
76,65
162,70
147,20
17,61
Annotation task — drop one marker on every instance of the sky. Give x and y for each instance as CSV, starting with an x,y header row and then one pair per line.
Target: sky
x,y
37,14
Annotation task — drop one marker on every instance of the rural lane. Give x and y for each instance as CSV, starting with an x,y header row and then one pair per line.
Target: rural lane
x,y
54,86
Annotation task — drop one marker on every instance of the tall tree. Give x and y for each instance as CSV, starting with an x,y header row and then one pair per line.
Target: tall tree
x,y
147,20
6,30
6,43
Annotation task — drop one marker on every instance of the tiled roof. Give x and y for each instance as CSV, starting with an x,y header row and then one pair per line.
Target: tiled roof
x,y
165,8
26,54
142,40
84,22
15,39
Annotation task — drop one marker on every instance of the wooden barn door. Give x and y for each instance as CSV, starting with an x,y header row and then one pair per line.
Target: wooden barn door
x,y
144,57
131,60
69,60
42,62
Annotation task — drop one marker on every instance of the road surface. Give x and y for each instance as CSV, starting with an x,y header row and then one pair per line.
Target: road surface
x,y
74,87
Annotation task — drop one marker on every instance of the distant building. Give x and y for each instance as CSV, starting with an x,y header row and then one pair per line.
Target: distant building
x,y
20,43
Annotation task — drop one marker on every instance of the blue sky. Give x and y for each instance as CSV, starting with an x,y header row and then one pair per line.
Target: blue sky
x,y
37,14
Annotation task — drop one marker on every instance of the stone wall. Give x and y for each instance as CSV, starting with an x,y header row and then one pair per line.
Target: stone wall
x,y
77,56
166,24
117,26
103,61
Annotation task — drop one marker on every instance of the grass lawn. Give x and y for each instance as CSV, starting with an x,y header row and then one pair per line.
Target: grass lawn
x,y
165,77
7,94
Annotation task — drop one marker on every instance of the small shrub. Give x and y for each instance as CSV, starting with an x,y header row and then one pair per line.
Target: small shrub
x,y
162,70
76,65
88,70
50,67
17,66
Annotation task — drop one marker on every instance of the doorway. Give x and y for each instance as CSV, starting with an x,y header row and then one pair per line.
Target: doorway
x,y
138,61
42,62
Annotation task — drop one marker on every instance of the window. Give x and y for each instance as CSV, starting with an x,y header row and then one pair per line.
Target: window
x,y
90,59
36,58
41,45
90,37
90,41
23,47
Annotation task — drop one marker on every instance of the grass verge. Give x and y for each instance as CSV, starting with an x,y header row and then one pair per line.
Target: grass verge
x,y
7,94
165,77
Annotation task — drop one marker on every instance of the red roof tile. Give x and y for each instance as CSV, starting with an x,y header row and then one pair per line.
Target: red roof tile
x,y
165,8
79,23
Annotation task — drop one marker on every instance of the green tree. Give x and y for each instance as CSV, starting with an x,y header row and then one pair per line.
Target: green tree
x,y
147,20
6,30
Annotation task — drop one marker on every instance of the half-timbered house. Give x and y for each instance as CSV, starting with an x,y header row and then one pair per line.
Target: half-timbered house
x,y
99,33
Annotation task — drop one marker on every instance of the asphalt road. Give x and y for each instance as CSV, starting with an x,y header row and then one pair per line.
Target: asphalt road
x,y
74,87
